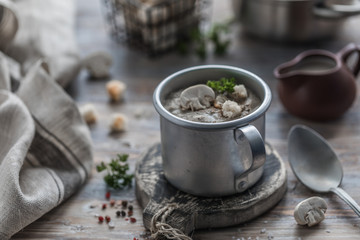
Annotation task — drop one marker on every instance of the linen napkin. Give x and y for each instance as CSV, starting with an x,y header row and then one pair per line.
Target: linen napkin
x,y
45,148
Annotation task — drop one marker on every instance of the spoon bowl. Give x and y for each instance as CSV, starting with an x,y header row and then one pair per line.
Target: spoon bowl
x,y
315,164
312,160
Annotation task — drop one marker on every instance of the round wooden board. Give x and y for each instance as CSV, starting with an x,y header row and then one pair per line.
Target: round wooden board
x,y
154,192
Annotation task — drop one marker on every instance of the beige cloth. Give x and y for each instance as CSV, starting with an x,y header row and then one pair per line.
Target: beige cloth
x,y
44,30
45,146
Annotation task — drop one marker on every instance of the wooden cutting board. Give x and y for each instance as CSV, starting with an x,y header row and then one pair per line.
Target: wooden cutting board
x,y
154,192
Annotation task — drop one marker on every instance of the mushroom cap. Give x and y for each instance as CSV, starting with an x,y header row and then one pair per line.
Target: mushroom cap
x,y
304,207
198,96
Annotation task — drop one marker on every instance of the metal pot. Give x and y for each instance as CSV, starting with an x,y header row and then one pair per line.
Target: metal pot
x,y
212,159
294,20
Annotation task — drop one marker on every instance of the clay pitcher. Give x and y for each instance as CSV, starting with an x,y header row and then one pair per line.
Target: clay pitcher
x,y
317,84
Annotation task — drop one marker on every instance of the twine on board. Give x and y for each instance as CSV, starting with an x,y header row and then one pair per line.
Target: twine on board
x,y
160,227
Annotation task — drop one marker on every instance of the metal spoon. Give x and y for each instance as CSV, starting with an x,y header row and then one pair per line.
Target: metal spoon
x,y
315,164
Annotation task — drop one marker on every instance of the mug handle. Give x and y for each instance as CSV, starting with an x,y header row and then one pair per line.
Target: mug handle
x,y
345,53
249,135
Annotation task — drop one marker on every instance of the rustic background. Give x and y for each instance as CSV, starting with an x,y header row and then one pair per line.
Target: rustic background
x,y
75,219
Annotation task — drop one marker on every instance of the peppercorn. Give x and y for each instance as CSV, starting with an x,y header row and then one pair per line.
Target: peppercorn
x,y
130,207
118,213
101,219
104,206
130,213
107,218
112,202
123,213
107,195
124,203
133,220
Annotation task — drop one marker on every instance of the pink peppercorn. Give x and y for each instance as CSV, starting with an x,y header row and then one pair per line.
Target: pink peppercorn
x,y
132,220
101,219
107,195
104,206
107,218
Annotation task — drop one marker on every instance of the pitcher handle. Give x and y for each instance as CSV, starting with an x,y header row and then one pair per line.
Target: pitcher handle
x,y
345,53
249,135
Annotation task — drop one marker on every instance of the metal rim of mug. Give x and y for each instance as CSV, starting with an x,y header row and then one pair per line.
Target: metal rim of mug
x,y
213,126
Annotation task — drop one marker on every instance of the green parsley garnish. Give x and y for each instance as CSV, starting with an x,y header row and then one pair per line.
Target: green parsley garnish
x,y
117,177
222,85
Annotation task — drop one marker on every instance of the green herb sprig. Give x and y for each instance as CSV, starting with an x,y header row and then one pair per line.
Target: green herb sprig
x,y
218,30
198,41
117,176
222,85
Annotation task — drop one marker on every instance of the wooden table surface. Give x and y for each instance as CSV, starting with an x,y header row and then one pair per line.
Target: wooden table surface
x,y
74,219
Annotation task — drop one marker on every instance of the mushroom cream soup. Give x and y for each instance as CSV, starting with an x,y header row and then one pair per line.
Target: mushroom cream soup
x,y
200,103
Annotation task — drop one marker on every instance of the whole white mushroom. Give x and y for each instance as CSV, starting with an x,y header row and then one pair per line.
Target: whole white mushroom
x,y
98,64
197,97
311,211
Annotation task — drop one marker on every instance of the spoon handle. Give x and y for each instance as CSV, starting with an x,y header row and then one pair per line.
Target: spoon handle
x,y
346,197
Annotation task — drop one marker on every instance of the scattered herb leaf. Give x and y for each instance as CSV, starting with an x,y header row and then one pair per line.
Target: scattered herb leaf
x,y
198,40
216,34
117,176
100,167
222,85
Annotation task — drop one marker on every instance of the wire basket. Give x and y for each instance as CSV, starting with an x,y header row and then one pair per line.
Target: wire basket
x,y
154,26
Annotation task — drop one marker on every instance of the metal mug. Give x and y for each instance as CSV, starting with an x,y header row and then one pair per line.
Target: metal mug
x,y
212,159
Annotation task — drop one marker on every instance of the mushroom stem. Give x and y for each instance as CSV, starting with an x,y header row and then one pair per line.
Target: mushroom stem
x,y
314,217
